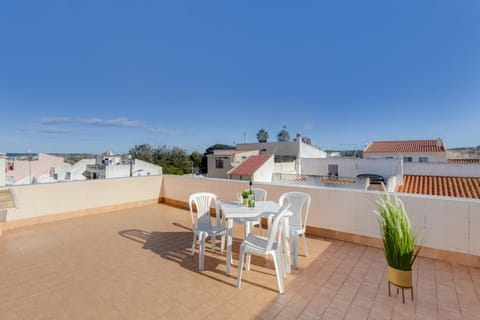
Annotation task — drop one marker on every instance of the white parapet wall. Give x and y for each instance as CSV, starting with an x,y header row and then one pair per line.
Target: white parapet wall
x,y
442,169
39,200
451,224
351,167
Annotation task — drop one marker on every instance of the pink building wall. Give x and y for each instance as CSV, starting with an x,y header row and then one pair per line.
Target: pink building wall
x,y
21,168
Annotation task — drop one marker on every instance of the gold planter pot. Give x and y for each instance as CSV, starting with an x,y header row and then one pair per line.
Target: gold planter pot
x,y
401,279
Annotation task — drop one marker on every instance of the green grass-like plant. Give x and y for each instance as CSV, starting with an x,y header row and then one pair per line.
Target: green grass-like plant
x,y
399,241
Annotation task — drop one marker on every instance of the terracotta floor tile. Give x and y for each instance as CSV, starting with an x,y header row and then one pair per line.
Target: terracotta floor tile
x,y
136,264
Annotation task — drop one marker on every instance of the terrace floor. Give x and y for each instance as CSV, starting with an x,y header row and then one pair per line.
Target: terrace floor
x,y
135,264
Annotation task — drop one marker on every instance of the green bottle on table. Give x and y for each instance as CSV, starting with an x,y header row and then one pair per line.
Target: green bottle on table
x,y
251,197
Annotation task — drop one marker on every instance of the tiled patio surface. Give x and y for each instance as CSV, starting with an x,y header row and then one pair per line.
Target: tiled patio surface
x,y
135,264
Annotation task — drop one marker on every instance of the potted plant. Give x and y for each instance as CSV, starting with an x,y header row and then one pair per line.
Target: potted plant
x,y
399,241
245,194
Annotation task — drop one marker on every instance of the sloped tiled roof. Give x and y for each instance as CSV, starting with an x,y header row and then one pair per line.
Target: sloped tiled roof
x,y
249,166
462,187
406,146
464,161
228,152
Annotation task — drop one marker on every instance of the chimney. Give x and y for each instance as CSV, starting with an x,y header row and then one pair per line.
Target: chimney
x,y
3,168
439,143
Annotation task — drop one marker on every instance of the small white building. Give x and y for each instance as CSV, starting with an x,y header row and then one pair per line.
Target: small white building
x,y
109,166
258,168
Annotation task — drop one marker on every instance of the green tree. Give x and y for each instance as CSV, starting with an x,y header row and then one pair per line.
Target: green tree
x,y
196,160
283,135
143,152
173,160
262,135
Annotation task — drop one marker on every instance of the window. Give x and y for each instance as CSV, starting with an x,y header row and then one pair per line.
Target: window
x,y
219,163
422,159
407,159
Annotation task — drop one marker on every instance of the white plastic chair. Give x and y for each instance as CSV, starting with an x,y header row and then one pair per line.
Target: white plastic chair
x,y
300,206
202,224
266,246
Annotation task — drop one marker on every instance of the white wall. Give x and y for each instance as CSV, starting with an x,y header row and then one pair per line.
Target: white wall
x,y
444,223
46,199
288,167
264,173
145,168
432,156
307,151
351,167
442,169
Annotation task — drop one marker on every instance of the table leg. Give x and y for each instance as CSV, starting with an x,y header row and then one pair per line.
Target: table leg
x,y
229,246
248,230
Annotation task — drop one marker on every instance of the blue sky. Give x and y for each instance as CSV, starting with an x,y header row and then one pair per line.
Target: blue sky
x,y
90,76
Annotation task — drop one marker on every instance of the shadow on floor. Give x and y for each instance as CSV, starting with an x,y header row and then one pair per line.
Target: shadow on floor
x,y
177,246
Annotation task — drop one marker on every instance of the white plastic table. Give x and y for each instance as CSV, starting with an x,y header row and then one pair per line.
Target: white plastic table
x,y
234,211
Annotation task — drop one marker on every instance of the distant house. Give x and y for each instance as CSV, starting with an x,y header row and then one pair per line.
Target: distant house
x,y
286,156
408,150
285,151
221,161
29,171
109,166
258,168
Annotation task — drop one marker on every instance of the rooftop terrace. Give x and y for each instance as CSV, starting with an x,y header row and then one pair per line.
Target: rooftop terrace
x,y
110,250
135,264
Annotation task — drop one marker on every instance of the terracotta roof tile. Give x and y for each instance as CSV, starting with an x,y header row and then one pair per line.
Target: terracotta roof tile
x,y
406,146
250,165
463,187
464,161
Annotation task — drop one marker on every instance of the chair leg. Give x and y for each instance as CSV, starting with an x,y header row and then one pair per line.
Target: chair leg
x,y
286,250
240,266
249,259
277,259
295,250
284,267
212,241
201,257
193,244
305,244
260,226
222,249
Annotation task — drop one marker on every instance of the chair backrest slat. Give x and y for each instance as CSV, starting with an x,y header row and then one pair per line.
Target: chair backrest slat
x,y
203,202
277,226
